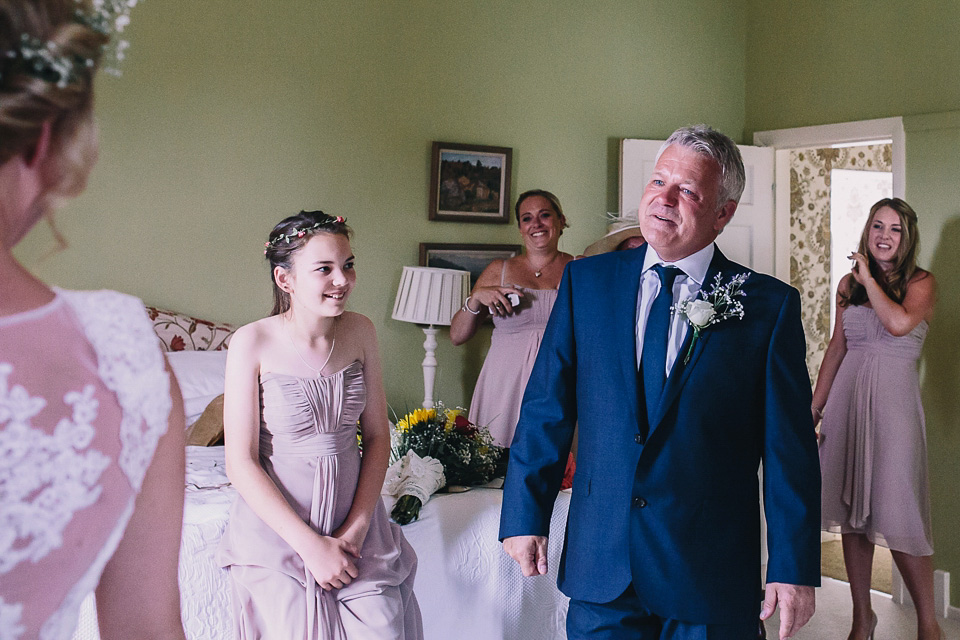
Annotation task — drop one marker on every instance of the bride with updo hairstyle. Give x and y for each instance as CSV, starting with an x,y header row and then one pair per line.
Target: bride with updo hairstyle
x,y
91,419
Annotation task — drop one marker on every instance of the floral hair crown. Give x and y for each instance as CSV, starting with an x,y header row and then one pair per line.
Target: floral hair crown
x,y
46,61
285,238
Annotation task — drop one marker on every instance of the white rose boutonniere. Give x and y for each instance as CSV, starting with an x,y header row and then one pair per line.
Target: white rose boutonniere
x,y
715,305
700,312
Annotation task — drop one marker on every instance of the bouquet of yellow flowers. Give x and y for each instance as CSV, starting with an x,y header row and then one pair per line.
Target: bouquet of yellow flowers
x,y
436,448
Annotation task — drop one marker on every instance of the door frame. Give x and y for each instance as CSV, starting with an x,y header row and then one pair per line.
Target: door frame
x,y
783,140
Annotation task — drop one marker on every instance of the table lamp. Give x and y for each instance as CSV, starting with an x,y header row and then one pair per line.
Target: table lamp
x,y
429,296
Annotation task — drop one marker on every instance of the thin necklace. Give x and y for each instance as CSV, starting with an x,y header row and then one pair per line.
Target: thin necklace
x,y
333,344
539,272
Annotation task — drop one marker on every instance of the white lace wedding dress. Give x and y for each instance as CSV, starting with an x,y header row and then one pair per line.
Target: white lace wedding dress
x,y
84,398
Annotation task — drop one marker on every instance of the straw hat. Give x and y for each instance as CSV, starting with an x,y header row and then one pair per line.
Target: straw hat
x,y
619,228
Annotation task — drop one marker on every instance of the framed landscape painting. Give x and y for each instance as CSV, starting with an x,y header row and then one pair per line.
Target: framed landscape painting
x,y
465,257
470,183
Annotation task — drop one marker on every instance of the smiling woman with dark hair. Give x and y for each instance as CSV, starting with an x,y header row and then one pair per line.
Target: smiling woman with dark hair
x,y
309,548
873,449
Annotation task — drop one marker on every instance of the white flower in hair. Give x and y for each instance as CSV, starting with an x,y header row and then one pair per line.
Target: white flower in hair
x,y
46,61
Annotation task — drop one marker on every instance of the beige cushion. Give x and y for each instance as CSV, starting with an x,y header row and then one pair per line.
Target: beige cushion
x,y
207,431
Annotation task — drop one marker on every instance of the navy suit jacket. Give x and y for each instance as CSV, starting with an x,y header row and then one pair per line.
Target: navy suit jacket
x,y
670,503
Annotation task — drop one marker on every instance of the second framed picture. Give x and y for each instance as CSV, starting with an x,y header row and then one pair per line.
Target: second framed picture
x,y
465,257
470,183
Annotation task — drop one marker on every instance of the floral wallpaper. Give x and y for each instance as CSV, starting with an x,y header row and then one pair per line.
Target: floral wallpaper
x,y
810,232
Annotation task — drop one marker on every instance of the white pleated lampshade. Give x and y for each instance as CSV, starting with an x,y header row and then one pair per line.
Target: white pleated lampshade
x,y
427,295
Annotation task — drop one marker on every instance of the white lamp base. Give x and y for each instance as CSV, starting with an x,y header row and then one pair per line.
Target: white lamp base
x,y
429,365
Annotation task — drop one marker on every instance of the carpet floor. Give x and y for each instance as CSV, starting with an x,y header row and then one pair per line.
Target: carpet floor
x,y
834,611
831,564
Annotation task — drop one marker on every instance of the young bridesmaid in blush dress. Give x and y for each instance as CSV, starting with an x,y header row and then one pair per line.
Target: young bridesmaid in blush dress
x,y
309,547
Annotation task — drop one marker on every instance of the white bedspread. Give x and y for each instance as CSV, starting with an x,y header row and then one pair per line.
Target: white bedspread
x,y
468,588
204,587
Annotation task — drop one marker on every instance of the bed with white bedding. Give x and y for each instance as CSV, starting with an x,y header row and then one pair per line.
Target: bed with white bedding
x,y
468,588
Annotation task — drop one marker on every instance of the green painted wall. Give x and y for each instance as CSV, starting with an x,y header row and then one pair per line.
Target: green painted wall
x,y
813,63
817,62
233,114
933,167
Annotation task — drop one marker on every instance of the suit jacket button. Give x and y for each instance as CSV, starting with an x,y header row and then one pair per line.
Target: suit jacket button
x,y
639,502
638,439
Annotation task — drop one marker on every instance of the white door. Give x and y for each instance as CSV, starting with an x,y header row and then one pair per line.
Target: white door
x,y
749,238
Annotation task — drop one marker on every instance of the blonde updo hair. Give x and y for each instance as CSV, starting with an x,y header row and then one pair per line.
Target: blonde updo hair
x,y
28,100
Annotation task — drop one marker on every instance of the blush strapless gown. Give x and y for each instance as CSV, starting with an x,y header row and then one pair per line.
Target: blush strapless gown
x,y
308,446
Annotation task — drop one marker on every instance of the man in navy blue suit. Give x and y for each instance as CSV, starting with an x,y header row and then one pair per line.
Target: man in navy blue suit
x,y
663,533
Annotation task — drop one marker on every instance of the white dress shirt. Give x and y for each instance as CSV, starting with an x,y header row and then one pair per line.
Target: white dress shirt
x,y
686,287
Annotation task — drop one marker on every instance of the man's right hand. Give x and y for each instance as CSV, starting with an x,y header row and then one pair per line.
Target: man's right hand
x,y
530,552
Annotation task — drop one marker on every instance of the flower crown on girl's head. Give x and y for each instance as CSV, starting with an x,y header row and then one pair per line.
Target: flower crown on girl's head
x,y
46,61
285,238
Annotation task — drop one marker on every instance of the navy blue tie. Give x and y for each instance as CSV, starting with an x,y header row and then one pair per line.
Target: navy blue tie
x,y
653,359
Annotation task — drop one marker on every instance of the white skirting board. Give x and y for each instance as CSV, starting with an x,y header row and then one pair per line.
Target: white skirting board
x,y
941,593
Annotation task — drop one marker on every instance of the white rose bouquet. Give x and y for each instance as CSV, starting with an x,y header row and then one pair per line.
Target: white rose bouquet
x,y
716,305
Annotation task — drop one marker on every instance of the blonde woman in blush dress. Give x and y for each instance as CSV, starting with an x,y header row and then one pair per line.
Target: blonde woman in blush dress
x,y
91,420
518,326
310,550
873,452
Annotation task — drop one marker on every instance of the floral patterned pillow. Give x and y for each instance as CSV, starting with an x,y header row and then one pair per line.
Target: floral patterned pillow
x,y
179,332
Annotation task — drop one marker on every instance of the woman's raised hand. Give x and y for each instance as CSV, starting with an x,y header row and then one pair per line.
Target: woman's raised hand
x,y
332,561
861,268
495,299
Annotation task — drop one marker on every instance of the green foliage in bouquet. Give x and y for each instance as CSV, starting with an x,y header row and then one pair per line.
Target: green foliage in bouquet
x,y
465,450
406,510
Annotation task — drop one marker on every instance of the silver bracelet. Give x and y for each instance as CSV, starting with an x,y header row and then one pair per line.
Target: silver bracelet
x,y
466,307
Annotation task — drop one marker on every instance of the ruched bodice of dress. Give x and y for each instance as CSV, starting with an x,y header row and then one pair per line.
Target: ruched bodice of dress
x,y
308,440
311,416
531,314
864,332
873,447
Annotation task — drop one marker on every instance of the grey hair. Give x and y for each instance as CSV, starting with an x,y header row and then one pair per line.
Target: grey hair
x,y
711,142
